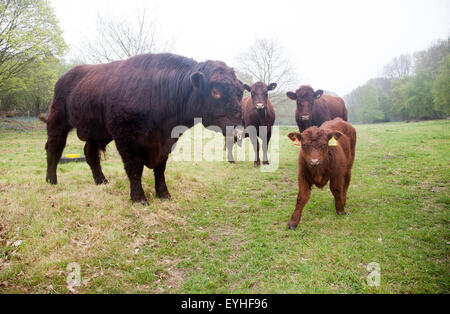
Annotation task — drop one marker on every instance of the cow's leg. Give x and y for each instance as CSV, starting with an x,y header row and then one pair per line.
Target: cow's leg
x,y
134,165
57,132
229,144
348,177
303,196
254,139
265,147
337,187
92,153
160,181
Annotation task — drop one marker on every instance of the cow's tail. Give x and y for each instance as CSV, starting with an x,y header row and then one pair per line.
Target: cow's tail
x,y
43,118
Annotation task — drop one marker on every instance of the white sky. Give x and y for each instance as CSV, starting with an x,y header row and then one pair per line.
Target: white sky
x,y
335,45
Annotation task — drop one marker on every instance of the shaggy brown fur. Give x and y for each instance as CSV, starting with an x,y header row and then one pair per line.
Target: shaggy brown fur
x,y
137,102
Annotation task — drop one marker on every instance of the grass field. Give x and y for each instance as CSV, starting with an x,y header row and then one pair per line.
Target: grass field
x,y
225,229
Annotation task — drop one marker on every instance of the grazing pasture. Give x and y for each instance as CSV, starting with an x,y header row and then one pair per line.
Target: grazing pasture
x,y
225,229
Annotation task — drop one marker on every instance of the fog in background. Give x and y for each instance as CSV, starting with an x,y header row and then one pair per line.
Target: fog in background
x,y
334,45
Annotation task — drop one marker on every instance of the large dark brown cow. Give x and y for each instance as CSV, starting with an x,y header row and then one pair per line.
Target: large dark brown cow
x,y
257,111
314,108
137,102
327,154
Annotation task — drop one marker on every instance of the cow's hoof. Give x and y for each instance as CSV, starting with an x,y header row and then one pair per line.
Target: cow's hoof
x,y
165,196
51,180
256,164
231,162
141,200
342,213
266,163
289,227
101,181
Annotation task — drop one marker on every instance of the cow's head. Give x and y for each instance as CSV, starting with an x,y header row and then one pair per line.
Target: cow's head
x,y
221,93
315,143
260,94
305,96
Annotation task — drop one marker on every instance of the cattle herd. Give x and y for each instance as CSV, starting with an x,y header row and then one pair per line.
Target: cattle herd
x,y
137,102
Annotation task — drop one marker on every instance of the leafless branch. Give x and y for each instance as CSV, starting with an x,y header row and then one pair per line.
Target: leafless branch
x,y
265,61
119,38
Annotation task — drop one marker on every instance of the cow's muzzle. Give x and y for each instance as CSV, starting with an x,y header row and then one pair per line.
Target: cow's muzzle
x,y
260,106
314,162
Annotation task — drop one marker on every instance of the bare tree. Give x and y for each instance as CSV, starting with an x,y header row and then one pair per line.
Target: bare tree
x,y
119,38
399,67
265,61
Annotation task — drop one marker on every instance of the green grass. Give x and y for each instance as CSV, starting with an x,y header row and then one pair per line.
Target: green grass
x,y
225,230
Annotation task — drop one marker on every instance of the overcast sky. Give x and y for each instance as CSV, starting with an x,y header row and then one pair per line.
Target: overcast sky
x,y
334,45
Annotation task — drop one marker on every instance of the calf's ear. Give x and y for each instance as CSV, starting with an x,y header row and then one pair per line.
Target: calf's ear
x,y
295,136
318,94
336,134
197,80
271,86
292,95
247,88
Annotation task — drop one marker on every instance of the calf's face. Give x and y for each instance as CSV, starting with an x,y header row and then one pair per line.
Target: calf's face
x,y
305,96
260,94
315,143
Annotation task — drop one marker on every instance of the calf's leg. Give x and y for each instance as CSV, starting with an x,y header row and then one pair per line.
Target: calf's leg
x,y
338,188
134,165
303,196
160,181
265,146
254,139
229,143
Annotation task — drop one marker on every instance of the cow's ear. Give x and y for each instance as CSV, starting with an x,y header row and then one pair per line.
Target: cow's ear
x,y
336,134
271,86
292,95
295,136
247,88
197,80
318,94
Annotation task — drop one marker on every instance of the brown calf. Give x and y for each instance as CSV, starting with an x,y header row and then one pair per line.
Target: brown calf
x,y
257,111
327,154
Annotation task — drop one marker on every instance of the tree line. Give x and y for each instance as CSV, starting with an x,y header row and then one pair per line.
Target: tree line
x,y
413,87
32,52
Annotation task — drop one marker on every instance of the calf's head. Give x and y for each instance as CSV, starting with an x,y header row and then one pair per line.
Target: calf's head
x,y
305,96
315,143
260,94
221,93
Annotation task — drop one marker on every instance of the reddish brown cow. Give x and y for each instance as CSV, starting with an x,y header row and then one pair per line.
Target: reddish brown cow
x,y
137,103
327,154
258,117
314,108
